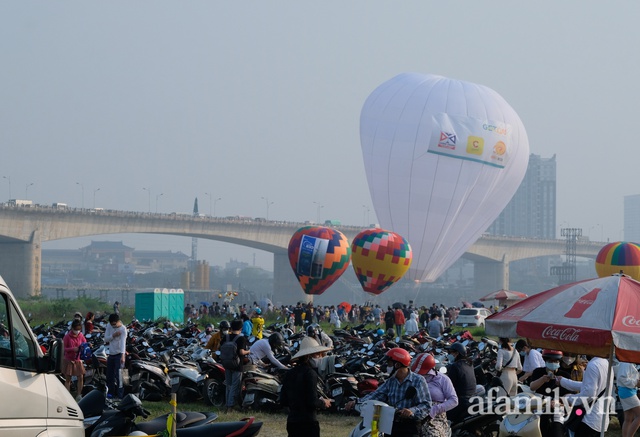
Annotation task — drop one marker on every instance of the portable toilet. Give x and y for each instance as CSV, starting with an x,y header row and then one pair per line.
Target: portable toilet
x,y
150,304
175,307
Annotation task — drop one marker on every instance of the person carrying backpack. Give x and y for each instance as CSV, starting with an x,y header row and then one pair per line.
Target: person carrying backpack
x,y
233,348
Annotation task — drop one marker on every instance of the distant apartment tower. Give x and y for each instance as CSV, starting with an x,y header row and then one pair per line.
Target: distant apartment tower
x,y
531,212
632,218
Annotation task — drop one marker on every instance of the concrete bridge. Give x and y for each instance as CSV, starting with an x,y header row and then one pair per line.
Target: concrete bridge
x,y
23,229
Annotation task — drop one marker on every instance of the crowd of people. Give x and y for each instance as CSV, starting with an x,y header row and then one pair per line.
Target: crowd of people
x,y
427,401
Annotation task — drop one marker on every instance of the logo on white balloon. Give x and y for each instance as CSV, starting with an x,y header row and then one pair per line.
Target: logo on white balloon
x,y
631,322
565,334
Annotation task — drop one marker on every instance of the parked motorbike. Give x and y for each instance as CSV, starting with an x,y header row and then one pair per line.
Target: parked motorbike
x,y
121,421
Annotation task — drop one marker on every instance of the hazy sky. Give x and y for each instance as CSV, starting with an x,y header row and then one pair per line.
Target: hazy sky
x,y
249,101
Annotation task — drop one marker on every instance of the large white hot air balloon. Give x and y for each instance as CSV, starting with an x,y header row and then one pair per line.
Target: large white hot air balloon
x,y
443,158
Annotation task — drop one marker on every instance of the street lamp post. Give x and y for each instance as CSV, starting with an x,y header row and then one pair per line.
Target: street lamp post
x,y
26,190
318,208
158,196
148,190
8,178
365,214
212,204
266,199
94,197
82,187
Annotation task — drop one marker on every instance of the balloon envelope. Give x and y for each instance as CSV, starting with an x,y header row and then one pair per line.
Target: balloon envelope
x,y
318,256
380,258
443,158
619,256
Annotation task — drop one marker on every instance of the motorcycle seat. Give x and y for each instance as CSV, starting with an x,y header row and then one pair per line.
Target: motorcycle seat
x,y
184,419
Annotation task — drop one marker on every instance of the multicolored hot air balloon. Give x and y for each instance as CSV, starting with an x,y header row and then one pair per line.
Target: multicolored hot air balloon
x,y
380,259
318,256
619,256
443,157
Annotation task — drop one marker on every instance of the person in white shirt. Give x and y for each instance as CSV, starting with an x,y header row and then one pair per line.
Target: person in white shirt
x,y
532,359
263,348
116,336
592,385
508,361
628,381
411,325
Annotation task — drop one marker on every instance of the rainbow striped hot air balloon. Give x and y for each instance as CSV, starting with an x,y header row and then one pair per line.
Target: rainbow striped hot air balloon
x,y
318,256
619,256
380,258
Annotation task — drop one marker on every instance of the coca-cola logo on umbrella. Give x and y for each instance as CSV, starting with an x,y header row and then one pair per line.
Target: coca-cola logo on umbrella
x,y
566,334
631,322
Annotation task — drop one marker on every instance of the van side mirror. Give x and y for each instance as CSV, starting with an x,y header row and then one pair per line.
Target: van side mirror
x,y
52,361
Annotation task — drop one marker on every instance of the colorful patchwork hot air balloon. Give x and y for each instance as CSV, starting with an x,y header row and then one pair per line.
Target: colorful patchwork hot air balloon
x,y
617,257
318,256
380,258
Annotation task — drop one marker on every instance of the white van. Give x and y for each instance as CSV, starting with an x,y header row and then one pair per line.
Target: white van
x,y
34,401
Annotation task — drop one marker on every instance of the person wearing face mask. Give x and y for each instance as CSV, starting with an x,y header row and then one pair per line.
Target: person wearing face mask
x,y
532,359
71,364
443,396
300,391
460,372
570,364
406,391
543,382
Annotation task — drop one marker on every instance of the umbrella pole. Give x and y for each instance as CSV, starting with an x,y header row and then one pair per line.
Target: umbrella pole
x,y
608,388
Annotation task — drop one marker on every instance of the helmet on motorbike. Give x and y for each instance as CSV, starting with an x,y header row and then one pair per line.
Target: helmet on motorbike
x,y
276,340
422,363
208,328
399,355
391,332
224,325
460,348
380,332
550,354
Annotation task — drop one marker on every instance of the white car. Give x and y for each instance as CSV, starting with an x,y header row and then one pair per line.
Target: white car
x,y
472,316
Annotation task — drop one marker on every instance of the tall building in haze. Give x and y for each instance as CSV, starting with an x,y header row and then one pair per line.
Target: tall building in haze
x,y
632,218
531,212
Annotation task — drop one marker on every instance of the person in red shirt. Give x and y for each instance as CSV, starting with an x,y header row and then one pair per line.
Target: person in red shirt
x,y
71,363
88,323
400,320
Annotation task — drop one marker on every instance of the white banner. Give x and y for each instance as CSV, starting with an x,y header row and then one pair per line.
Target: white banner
x,y
472,139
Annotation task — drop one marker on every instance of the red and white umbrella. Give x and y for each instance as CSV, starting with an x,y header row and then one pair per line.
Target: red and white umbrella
x,y
504,295
587,317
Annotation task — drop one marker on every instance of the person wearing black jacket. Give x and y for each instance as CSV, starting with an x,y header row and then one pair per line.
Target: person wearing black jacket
x,y
461,373
233,376
300,391
389,318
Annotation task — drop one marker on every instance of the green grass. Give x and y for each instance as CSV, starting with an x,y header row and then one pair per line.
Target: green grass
x,y
274,425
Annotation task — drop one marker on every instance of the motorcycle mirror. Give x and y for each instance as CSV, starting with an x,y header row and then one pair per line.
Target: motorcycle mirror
x,y
370,346
363,350
218,353
371,364
338,366
438,350
150,350
295,345
412,353
481,346
370,353
397,339
144,343
87,336
177,335
443,370
465,343
348,353
39,336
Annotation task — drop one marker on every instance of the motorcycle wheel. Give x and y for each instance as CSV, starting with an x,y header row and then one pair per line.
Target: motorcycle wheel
x,y
214,393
